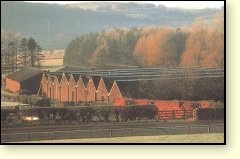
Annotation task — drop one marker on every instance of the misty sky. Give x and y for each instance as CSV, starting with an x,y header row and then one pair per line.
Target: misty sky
x,y
178,4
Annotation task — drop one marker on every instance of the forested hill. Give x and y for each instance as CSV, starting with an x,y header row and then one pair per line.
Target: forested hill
x,y
201,45
54,26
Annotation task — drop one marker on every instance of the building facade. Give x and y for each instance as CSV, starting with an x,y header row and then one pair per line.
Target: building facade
x,y
26,80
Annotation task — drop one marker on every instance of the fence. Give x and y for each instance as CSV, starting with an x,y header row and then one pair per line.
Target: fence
x,y
175,114
106,133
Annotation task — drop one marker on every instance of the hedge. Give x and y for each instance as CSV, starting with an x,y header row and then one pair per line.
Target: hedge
x,y
210,114
6,113
91,113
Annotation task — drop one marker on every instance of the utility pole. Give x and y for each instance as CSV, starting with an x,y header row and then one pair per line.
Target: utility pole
x,y
16,56
48,28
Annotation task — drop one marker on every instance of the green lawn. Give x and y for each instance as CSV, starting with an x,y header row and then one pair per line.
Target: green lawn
x,y
9,104
3,92
190,138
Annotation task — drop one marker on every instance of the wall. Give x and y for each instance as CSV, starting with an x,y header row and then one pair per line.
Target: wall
x,y
91,91
72,90
12,85
64,89
56,89
49,86
81,93
44,85
115,93
31,84
102,93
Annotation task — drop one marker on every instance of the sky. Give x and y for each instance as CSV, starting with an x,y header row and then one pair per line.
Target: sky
x,y
172,4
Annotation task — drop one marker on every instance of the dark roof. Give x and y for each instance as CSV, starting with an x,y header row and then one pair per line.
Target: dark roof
x,y
52,78
58,78
69,68
25,73
129,89
67,76
96,80
75,77
85,80
108,83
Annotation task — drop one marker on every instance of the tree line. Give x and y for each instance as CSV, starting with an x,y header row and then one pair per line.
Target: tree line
x,y
183,89
201,45
19,52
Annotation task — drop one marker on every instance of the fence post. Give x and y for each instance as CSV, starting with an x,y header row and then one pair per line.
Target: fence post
x,y
170,131
130,132
209,128
19,113
110,135
189,129
70,135
29,137
195,114
90,133
150,132
173,114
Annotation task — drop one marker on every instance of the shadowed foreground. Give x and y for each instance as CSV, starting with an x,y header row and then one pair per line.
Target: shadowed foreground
x,y
194,138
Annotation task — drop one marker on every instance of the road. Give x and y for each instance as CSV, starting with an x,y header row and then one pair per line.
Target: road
x,y
110,130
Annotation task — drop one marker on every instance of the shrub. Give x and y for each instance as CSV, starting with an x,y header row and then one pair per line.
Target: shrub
x,y
103,112
43,102
210,114
125,113
86,114
6,113
121,113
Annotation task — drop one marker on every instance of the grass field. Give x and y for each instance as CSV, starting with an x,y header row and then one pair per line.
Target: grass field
x,y
3,92
190,138
9,104
52,62
55,59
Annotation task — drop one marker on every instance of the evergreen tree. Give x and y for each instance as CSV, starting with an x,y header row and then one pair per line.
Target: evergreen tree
x,y
24,54
35,53
39,56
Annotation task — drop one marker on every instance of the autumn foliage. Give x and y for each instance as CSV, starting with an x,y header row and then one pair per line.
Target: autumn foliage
x,y
201,45
205,45
162,47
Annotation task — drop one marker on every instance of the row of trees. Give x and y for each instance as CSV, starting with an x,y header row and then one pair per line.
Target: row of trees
x,y
17,53
183,89
30,53
205,45
202,45
161,47
100,49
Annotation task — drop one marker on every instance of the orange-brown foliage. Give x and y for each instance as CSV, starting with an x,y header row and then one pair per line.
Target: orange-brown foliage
x,y
205,45
150,49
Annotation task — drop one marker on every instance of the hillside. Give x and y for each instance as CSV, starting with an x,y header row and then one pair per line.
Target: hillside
x,y
54,26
